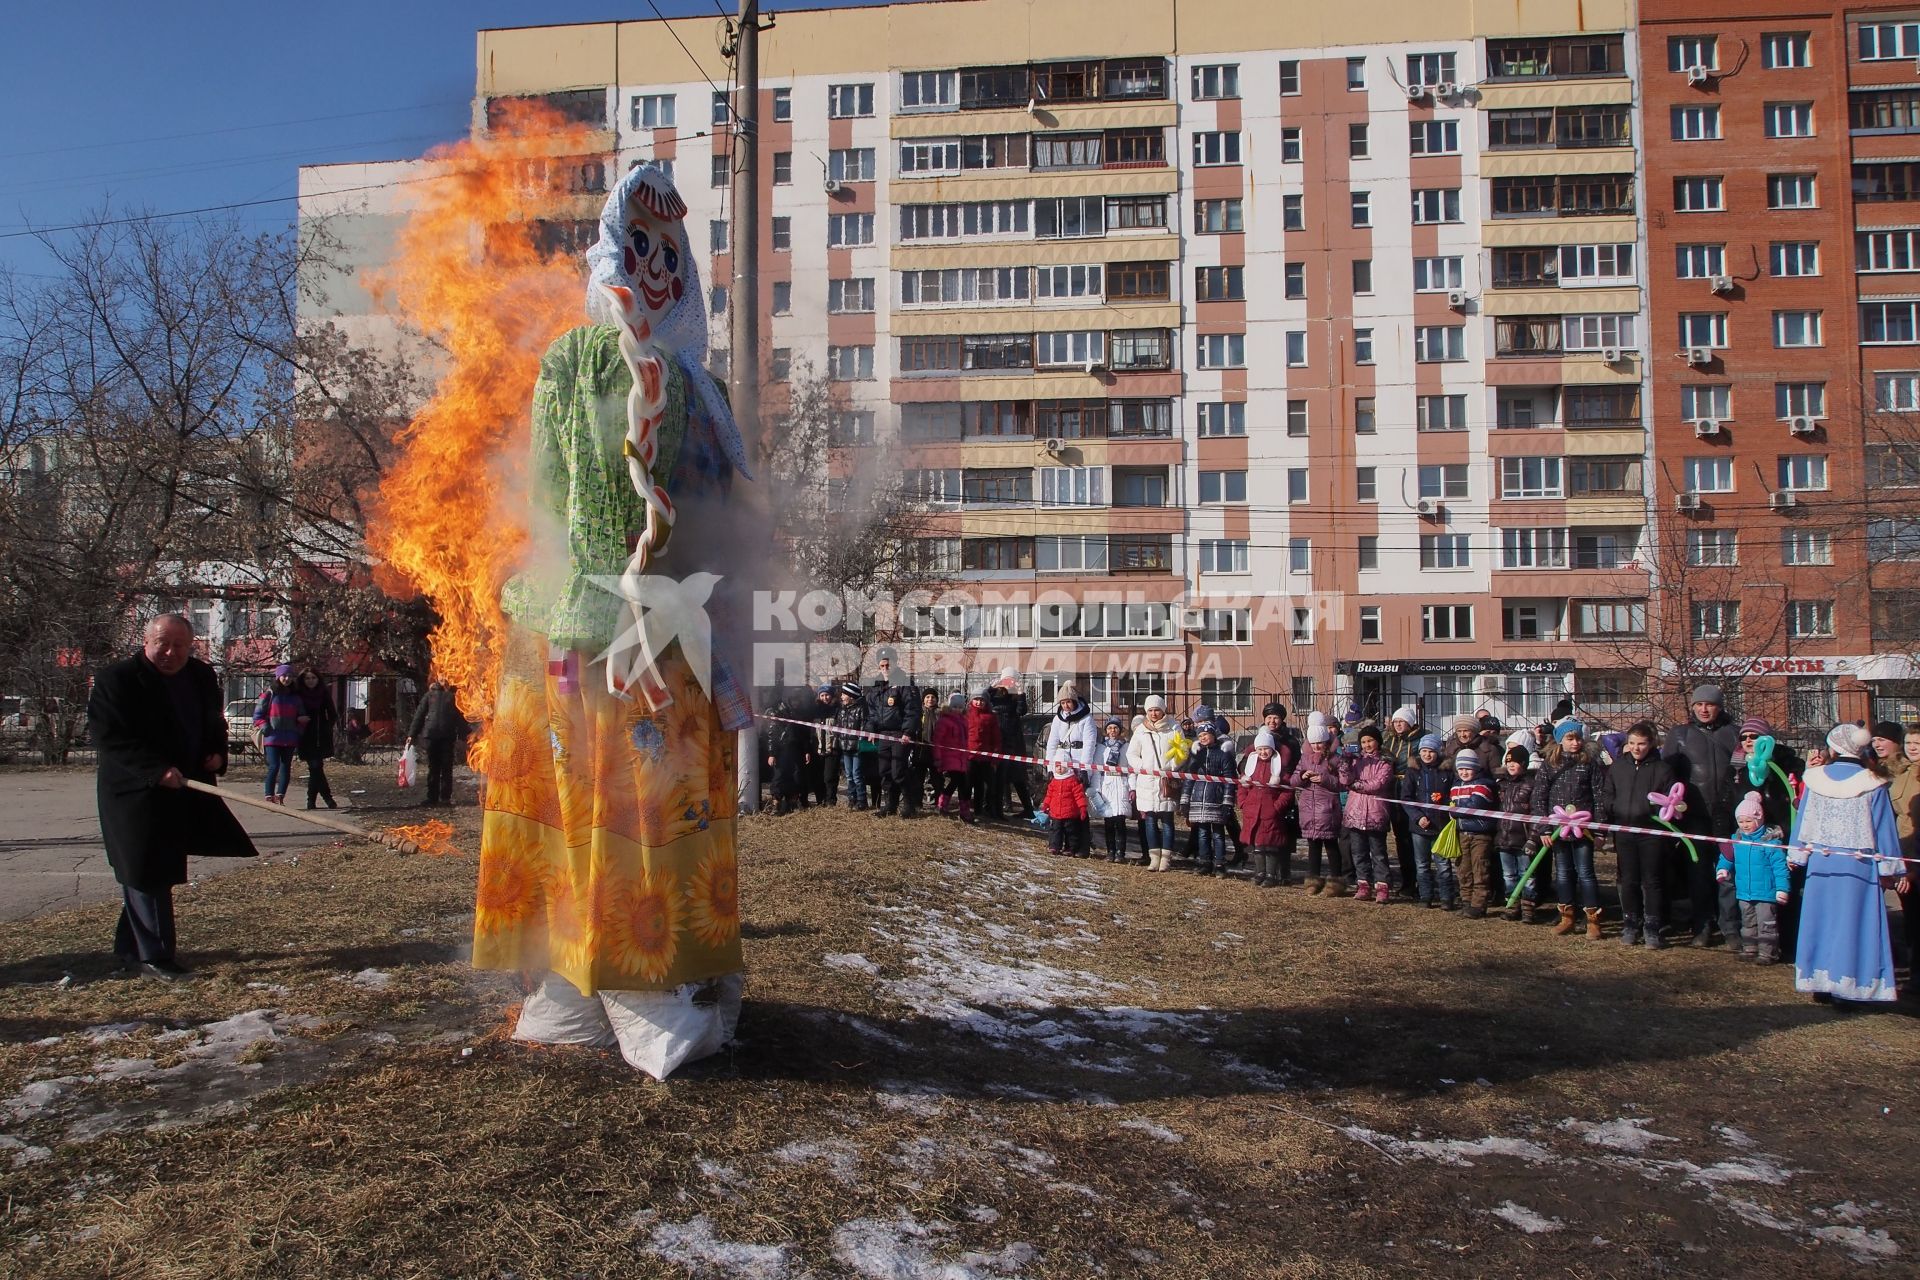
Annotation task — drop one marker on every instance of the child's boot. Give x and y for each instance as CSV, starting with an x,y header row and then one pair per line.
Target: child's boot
x,y
1363,892
1381,893
1593,924
1629,931
1526,911
1566,921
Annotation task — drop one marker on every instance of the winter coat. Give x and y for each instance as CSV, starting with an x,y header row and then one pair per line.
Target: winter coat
x,y
1425,783
1564,779
1317,803
1470,801
1903,791
1011,709
950,742
1368,778
983,731
148,829
1207,800
438,718
848,715
1155,749
1065,798
1776,806
893,712
1489,751
277,715
1516,796
1266,801
1074,730
928,718
1116,789
1620,791
1402,748
316,740
1702,755
1758,864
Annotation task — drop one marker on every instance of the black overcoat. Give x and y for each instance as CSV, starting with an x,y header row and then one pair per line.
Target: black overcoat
x,y
149,829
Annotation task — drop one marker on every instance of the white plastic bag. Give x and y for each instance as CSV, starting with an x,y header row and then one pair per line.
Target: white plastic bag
x,y
408,767
660,1030
556,1013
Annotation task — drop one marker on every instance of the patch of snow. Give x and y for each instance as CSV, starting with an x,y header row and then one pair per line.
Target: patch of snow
x,y
1524,1218
111,1031
842,1159
271,988
1153,1130
1732,1136
981,1213
692,1244
902,1249
23,1154
857,963
1616,1135
1457,1152
1861,1246
913,1100
370,979
1757,1169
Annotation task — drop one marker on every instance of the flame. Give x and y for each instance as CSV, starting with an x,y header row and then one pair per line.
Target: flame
x,y
448,521
435,838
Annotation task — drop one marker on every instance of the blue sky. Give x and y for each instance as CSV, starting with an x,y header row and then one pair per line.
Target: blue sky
x,y
191,103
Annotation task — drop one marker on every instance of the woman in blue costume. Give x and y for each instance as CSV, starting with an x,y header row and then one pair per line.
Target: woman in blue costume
x,y
1846,837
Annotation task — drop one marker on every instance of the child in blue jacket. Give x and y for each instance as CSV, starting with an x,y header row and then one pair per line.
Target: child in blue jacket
x,y
1757,866
1472,798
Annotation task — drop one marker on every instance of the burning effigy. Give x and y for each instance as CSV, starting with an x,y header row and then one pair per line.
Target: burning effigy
x,y
607,859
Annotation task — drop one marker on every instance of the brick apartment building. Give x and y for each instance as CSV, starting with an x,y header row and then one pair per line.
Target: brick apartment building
x,y
1291,361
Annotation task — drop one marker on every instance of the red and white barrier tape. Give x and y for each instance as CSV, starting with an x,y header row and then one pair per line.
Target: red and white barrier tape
x,y
1530,819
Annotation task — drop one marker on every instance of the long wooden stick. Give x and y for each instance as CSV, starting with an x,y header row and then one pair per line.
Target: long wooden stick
x,y
317,819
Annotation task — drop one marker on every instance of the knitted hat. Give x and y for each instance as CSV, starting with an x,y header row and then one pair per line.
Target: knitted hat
x,y
1521,755
1849,740
1889,729
1467,760
283,671
1155,702
1069,692
1465,722
1318,733
981,694
1708,693
1433,742
1750,807
1490,722
825,690
1274,709
956,700
1316,718
850,687
1754,724
1205,726
1009,675
1368,731
1203,714
1569,728
1522,738
1406,715
1113,722
1264,738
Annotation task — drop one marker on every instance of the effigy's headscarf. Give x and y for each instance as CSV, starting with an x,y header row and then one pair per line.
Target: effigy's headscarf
x,y
683,331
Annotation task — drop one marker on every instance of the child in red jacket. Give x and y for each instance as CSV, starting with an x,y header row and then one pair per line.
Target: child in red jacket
x,y
983,734
1066,804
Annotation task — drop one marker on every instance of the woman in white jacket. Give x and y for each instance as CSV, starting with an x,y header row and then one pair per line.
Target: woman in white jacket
x,y
1073,729
1114,790
1156,745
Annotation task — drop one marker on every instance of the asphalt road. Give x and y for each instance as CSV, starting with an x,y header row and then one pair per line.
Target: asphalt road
x,y
50,852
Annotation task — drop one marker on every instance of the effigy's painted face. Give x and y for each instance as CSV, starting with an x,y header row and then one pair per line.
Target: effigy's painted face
x,y
651,258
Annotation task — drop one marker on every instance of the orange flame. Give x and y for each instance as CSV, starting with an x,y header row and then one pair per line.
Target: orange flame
x,y
434,838
448,521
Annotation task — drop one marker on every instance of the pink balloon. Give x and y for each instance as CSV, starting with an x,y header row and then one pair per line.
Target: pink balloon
x,y
1572,823
1668,800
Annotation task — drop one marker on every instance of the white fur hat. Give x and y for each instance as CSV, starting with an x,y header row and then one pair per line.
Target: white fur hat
x,y
1154,702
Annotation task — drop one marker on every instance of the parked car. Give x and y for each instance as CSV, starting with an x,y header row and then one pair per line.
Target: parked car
x,y
240,724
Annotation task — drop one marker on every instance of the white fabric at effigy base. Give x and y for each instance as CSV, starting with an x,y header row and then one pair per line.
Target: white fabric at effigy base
x,y
657,1031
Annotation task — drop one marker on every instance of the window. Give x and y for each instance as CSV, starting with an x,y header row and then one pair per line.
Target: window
x,y
1070,553
1296,484
721,170
1229,695
1791,191
1362,275
1713,548
1127,213
717,235
845,230
722,112
993,555
1788,119
1147,488
1222,81
1539,620
1802,472
717,300
652,111
1066,218
1293,280
850,364
1889,324
844,100
1696,123
1363,346
1707,475
1221,351
1223,555
954,221
847,164
1706,402
1216,148
1448,480
1296,340
1530,478
1799,400
963,285
1068,151
1435,204
782,106
1446,622
1439,343
1430,68
1882,183
782,168
1437,275
1444,551
1889,41
1356,74
847,297
1782,49
1125,280
1289,76
1223,486
1296,417
1223,284
1585,264
1551,58
782,232
1699,261
1796,328
1597,332
1533,548
999,485
1223,419
1699,195
1896,392
1806,546
1290,144
1434,137
927,91
1215,217
1140,349
1360,208
1714,619
1364,417
1299,555
1300,625
1368,552
1357,147
851,427
930,157
1611,476
1293,214
1687,52
1366,484
1703,329
939,487
1605,548
1072,487
1369,624
1808,618
1442,413
1886,250
1884,111
1067,283
1608,618
1794,258
1071,347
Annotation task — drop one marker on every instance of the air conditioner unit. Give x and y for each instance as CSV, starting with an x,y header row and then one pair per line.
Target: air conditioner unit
x,y
1192,618
1489,686
1611,355
1697,74
1053,445
1699,355
1721,284
1446,89
1784,500
1457,299
833,188
1800,426
1707,428
1416,92
1428,508
1686,502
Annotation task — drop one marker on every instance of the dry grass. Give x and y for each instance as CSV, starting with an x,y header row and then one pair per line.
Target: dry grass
x,y
1176,1094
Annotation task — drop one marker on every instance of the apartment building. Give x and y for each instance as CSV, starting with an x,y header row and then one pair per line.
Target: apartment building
x,y
1785,380
1232,351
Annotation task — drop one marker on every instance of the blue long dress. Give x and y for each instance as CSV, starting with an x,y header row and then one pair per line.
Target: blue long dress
x,y
1845,949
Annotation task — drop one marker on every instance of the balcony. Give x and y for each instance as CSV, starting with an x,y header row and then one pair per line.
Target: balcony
x,y
1556,58
1560,128
1565,196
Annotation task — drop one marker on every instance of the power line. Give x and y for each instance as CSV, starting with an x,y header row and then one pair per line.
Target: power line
x,y
214,208
651,4
239,128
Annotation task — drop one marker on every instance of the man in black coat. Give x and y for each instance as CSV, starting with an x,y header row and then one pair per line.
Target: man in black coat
x,y
1010,708
1701,753
437,721
157,720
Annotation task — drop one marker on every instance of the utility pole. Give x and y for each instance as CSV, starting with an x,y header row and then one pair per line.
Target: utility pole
x,y
743,298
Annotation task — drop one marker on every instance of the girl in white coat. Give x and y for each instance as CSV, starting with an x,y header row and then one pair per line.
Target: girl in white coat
x,y
1111,794
1072,729
1157,745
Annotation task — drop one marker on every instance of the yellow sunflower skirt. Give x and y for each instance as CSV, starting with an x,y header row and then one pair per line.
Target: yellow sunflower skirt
x,y
607,849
